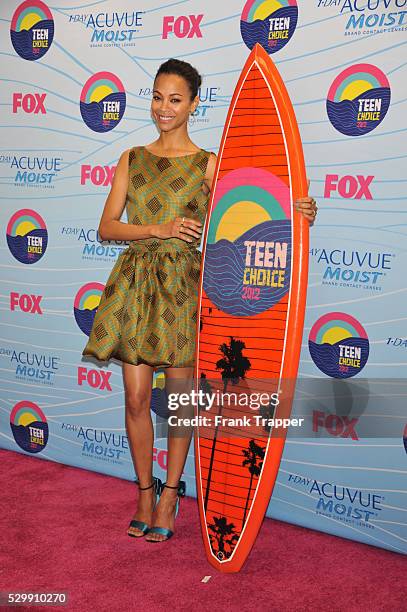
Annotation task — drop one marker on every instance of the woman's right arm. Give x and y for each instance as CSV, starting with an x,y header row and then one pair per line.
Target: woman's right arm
x,y
111,228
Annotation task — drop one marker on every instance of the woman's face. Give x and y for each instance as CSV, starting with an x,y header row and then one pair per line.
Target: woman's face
x,y
171,104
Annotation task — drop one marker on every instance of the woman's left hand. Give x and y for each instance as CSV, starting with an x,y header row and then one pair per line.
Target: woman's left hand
x,y
308,207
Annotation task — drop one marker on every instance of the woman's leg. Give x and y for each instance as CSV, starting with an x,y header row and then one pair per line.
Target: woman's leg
x,y
137,387
177,380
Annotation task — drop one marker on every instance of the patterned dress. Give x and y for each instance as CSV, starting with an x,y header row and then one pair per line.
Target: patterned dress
x,y
148,309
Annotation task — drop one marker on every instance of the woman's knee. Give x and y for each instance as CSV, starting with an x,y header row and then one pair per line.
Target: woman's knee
x,y
137,403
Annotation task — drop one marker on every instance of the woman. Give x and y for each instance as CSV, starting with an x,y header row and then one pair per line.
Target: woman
x,y
147,314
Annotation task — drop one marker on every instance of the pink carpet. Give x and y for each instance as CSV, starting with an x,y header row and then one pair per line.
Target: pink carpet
x,y
64,528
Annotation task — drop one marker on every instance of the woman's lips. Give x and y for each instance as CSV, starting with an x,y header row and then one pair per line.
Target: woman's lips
x,y
165,118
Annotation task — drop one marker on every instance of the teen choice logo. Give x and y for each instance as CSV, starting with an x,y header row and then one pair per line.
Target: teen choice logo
x,y
27,236
103,102
339,345
29,427
268,22
86,304
32,29
248,249
358,100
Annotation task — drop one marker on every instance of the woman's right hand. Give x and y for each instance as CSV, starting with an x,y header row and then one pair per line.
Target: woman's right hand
x,y
181,227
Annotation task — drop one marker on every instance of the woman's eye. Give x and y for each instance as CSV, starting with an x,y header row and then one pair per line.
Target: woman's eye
x,y
175,100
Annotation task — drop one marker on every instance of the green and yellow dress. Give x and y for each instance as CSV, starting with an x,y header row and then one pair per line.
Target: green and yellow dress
x,y
148,309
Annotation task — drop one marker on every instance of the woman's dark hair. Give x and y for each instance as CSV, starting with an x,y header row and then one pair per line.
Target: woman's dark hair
x,y
184,70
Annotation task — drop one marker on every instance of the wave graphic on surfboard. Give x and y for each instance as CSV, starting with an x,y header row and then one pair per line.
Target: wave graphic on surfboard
x,y
225,265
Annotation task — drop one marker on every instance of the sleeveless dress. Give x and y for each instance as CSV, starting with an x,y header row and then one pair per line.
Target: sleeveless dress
x,y
148,309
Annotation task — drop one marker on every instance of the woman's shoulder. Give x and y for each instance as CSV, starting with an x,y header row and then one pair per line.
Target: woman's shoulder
x,y
129,155
208,153
134,149
211,162
211,158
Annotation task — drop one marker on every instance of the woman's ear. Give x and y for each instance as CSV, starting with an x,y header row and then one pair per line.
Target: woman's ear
x,y
195,104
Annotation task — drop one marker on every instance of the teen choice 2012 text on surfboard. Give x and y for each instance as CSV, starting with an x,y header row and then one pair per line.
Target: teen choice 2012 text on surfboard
x,y
251,304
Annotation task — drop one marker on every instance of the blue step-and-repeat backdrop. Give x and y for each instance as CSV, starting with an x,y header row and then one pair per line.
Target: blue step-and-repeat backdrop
x,y
344,67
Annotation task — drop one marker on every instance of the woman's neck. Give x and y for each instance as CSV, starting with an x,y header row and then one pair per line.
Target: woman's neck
x,y
174,142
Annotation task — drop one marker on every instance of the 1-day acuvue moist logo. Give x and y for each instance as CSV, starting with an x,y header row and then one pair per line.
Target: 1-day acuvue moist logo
x,y
86,304
268,22
358,100
103,102
338,345
32,29
27,236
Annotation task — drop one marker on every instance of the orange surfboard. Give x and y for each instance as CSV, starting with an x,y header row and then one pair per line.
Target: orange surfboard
x,y
251,311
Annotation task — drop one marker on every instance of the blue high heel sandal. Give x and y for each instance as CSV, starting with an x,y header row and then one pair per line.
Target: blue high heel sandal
x,y
163,530
157,484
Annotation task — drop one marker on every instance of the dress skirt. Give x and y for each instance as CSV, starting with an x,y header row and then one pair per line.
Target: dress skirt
x,y
148,309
